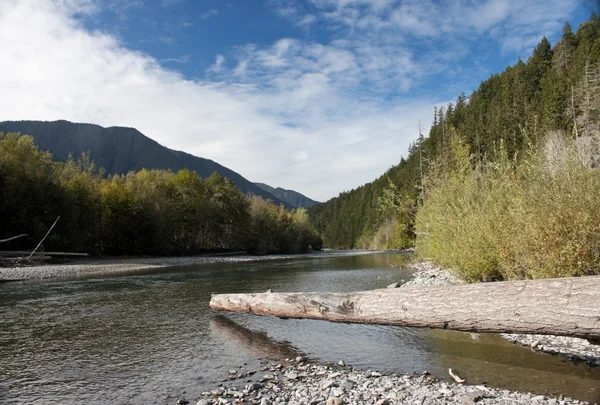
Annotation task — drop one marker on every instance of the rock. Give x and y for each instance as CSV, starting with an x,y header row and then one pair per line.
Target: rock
x,y
472,397
535,344
269,291
337,392
327,383
182,402
341,363
254,387
299,359
393,285
202,402
291,376
384,402
375,374
335,401
348,384
265,401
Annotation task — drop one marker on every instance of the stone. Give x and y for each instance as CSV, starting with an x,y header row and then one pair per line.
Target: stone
x,y
535,344
202,402
335,401
341,363
327,384
384,402
337,392
265,401
291,376
254,387
393,285
348,384
472,397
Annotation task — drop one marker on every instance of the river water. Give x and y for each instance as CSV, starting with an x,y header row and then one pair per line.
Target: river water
x,y
149,338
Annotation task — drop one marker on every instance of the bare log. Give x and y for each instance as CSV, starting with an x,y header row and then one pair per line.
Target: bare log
x,y
565,306
13,238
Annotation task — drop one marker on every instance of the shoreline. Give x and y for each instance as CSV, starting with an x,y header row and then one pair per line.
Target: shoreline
x,y
301,382
115,266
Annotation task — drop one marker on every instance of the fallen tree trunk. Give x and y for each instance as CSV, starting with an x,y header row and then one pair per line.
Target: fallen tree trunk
x,y
566,306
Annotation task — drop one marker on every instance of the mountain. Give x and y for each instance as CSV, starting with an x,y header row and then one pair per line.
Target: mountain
x,y
291,197
120,150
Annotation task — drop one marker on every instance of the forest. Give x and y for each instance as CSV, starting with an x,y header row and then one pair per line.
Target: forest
x,y
506,183
149,212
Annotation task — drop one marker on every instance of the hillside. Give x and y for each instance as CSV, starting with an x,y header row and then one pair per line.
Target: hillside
x,y
120,150
291,197
557,90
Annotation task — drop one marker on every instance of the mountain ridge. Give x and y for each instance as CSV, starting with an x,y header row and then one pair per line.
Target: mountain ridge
x,y
120,150
298,200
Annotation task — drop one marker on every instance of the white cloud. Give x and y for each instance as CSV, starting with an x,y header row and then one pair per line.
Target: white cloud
x,y
319,118
209,14
218,65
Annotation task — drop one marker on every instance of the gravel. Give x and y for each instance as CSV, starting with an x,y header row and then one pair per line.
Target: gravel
x,y
427,274
86,268
305,383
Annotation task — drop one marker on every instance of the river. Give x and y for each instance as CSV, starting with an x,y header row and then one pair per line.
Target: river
x,y
150,337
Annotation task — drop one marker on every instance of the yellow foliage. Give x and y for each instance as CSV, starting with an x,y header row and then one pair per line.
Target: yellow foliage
x,y
502,221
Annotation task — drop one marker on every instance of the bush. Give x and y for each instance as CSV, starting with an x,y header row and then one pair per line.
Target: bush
x,y
534,218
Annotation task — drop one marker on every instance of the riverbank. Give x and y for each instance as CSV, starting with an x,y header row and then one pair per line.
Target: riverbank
x,y
579,350
113,266
296,381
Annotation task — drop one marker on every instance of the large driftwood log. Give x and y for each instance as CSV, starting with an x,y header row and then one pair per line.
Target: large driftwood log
x,y
567,306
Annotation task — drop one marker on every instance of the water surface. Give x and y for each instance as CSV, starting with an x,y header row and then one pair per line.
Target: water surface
x,y
149,338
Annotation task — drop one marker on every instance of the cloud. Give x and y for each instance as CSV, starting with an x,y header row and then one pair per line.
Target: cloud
x,y
319,117
209,14
181,59
218,65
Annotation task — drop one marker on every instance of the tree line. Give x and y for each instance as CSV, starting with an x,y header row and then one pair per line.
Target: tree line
x,y
514,119
149,212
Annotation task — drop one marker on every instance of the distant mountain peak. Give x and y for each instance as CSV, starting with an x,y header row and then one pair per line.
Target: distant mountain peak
x,y
292,197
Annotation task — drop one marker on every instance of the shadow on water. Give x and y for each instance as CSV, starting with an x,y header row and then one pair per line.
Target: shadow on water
x,y
257,342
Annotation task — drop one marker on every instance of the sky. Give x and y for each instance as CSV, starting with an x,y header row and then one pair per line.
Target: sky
x,y
318,96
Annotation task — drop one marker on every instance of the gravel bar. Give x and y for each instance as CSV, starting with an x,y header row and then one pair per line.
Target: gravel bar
x,y
298,382
84,268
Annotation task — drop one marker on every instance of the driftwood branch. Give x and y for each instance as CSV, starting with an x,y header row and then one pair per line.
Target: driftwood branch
x,y
567,306
43,239
13,238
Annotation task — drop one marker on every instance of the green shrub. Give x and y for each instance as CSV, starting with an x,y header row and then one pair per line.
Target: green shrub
x,y
534,218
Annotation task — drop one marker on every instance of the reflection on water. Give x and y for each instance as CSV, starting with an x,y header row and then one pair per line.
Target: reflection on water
x,y
150,338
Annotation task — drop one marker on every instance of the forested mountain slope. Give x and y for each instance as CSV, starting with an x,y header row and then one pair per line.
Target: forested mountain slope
x,y
556,89
291,197
120,150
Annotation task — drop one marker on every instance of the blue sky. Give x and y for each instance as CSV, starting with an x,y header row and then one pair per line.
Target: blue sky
x,y
320,96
